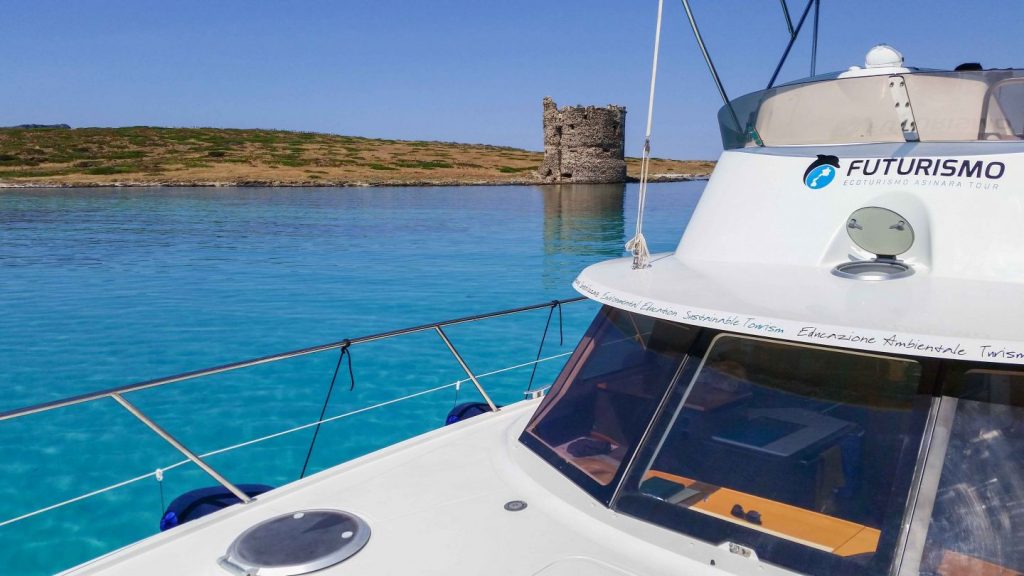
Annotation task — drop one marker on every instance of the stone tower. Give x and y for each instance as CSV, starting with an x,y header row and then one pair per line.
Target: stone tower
x,y
584,144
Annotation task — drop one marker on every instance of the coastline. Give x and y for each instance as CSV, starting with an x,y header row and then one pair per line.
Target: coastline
x,y
211,157
6,185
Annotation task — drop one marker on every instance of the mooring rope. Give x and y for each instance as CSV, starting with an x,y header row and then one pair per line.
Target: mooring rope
x,y
327,400
561,338
234,447
638,244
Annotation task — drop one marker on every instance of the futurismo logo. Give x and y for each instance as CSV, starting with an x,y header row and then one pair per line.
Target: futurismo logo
x,y
821,172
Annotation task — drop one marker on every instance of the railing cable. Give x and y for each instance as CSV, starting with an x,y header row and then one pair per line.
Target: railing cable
x,y
79,498
327,400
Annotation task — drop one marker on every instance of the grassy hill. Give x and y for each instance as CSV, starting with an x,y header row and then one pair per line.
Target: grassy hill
x,y
211,156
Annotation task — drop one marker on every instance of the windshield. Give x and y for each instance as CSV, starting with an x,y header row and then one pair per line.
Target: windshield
x,y
977,522
803,454
594,416
821,460
943,107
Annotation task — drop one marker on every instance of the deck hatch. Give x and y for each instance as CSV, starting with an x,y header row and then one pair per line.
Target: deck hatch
x,y
883,233
296,543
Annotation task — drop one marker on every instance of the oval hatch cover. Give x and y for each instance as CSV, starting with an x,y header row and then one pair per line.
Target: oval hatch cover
x,y
880,231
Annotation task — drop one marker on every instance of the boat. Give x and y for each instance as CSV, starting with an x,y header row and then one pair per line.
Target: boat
x,y
826,377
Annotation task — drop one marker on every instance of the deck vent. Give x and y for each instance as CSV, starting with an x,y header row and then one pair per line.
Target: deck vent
x,y
296,543
883,233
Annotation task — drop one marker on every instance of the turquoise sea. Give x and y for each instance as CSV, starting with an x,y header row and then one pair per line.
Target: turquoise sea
x,y
106,286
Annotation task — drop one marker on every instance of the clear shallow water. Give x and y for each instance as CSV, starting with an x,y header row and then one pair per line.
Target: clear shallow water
x,y
102,287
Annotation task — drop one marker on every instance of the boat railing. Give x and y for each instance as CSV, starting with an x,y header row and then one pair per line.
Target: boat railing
x,y
200,459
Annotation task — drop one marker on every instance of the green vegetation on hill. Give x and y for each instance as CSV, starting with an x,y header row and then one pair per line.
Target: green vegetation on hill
x,y
149,155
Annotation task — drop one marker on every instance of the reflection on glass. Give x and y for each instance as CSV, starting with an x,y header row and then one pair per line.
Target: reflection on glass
x,y
581,220
597,412
800,453
805,455
977,524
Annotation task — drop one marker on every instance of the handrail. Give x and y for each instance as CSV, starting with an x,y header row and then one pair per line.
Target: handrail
x,y
198,459
110,392
117,392
264,438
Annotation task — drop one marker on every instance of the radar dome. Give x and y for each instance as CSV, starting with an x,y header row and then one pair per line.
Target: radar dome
x,y
883,56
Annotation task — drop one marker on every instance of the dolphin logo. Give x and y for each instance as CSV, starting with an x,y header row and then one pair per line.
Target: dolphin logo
x,y
821,172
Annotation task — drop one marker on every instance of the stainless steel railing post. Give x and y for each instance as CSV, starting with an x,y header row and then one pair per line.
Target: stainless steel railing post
x,y
469,372
181,448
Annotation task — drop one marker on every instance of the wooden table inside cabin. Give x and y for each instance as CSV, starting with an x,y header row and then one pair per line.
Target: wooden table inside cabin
x,y
807,527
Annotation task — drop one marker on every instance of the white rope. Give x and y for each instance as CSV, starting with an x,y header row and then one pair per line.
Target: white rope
x,y
76,499
638,244
159,472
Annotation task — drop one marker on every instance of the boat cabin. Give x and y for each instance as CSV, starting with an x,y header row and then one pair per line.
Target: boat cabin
x,y
827,375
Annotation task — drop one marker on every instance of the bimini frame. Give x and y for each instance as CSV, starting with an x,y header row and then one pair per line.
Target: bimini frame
x,y
794,33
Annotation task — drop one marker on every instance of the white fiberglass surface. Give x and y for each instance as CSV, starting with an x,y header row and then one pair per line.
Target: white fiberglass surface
x,y
940,317
436,507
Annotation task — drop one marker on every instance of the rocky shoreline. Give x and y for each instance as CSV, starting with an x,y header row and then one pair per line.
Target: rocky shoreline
x,y
535,181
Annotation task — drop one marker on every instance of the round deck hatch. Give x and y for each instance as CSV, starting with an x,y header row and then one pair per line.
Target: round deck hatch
x,y
296,543
883,233
880,231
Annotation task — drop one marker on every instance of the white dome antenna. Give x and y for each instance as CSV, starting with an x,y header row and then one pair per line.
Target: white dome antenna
x,y
881,59
883,56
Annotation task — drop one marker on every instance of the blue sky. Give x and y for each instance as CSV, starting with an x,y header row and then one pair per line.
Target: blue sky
x,y
460,70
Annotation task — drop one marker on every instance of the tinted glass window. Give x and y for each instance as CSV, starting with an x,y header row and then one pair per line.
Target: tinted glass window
x,y
605,398
803,454
977,524
1007,100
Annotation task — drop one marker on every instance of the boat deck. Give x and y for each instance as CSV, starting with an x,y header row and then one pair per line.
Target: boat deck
x,y
450,520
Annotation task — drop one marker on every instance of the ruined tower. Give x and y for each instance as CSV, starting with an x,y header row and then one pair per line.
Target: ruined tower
x,y
584,144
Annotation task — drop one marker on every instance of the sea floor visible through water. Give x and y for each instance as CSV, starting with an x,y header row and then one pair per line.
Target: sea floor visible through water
x,y
103,287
